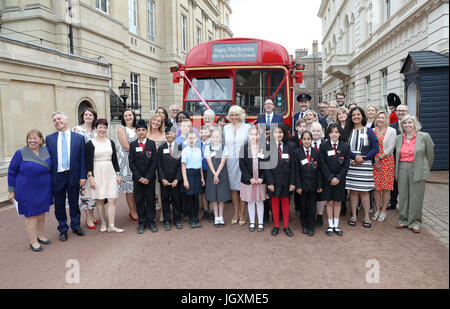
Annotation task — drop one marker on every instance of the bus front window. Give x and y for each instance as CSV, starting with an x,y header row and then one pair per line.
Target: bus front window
x,y
254,86
215,91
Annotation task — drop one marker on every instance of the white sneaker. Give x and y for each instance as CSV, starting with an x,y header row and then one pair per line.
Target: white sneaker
x,y
381,217
375,216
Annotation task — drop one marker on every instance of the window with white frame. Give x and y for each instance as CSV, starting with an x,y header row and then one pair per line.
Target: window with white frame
x,y
151,20
183,33
134,91
102,5
367,80
153,101
132,16
384,75
199,35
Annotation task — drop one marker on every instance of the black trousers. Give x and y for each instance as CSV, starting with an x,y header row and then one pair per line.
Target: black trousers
x,y
297,200
145,202
308,210
191,206
169,194
394,195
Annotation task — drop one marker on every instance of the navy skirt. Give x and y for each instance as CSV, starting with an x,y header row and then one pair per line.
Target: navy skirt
x,y
195,182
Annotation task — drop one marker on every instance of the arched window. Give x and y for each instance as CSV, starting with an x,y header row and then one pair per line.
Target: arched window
x,y
82,106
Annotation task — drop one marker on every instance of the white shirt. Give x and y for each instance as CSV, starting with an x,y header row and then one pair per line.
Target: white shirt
x,y
318,143
67,132
332,143
309,149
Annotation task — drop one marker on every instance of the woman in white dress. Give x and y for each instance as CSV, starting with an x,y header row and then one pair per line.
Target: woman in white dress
x,y
235,135
103,173
86,128
126,133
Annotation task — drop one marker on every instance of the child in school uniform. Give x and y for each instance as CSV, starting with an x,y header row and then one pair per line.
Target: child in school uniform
x,y
205,141
217,183
169,173
191,169
336,160
143,163
317,135
296,141
253,191
308,181
265,145
279,179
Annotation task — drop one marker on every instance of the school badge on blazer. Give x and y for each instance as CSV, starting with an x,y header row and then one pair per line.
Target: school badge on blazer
x,y
313,163
341,160
148,154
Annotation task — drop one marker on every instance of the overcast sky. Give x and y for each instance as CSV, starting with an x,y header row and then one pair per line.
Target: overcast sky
x,y
291,23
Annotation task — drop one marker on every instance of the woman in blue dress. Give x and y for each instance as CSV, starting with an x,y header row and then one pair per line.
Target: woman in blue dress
x,y
30,184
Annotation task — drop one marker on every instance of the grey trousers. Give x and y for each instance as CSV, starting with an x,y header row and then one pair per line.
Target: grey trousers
x,y
410,196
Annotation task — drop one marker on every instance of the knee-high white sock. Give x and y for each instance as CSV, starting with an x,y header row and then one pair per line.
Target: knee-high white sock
x,y
251,212
260,211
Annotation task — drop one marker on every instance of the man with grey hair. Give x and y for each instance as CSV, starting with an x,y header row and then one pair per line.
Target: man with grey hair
x,y
66,149
173,112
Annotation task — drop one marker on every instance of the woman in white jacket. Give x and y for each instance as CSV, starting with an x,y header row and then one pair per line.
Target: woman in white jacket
x,y
384,166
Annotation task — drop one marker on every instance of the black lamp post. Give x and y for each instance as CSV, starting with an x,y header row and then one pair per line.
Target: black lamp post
x,y
124,90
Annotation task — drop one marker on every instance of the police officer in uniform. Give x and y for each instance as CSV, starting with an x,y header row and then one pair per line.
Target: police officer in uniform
x,y
304,102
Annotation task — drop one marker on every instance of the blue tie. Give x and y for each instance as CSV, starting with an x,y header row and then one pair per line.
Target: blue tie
x,y
64,152
268,121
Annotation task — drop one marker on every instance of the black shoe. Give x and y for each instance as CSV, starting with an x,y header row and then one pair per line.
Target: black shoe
x,y
392,206
288,232
167,226
329,231
153,227
178,225
310,233
338,231
251,227
260,227
140,229
319,221
39,249
45,242
305,230
275,231
192,224
79,232
197,222
205,216
63,236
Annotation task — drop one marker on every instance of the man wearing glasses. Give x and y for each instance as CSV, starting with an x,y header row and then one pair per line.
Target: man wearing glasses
x,y
269,116
173,111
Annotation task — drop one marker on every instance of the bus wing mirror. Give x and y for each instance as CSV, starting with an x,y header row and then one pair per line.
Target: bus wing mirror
x,y
298,77
176,77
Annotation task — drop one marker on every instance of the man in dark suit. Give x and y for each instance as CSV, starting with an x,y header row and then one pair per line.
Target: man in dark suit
x,y
66,149
304,103
170,177
143,160
269,116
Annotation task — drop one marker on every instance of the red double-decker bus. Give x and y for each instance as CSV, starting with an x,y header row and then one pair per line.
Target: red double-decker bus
x,y
245,72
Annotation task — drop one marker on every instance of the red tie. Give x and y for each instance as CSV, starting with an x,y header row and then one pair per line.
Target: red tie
x,y
280,152
334,147
307,155
142,146
315,146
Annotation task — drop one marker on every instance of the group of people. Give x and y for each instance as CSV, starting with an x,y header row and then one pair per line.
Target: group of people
x,y
167,164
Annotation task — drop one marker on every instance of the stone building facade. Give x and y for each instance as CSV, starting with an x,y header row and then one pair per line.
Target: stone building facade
x,y
365,43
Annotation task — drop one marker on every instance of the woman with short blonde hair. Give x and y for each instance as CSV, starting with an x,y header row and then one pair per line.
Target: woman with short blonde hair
x,y
371,113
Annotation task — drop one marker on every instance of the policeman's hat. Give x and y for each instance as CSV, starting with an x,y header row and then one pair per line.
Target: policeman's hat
x,y
393,100
303,97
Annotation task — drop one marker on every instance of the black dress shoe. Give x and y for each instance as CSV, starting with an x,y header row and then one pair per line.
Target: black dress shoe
x,y
305,230
329,231
319,221
310,233
63,236
178,225
140,229
192,224
153,227
197,223
275,231
39,249
45,242
338,231
79,232
288,232
167,226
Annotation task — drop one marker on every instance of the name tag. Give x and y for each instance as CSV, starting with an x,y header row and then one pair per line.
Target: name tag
x,y
213,154
331,153
260,155
166,150
138,149
284,156
304,161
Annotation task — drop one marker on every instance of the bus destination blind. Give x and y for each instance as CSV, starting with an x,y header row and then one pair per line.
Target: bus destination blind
x,y
234,52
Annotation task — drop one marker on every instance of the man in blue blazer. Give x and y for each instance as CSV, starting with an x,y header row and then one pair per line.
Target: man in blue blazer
x,y
269,115
66,150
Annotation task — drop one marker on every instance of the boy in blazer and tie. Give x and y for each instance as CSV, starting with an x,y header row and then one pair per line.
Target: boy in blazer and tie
x,y
143,162
170,177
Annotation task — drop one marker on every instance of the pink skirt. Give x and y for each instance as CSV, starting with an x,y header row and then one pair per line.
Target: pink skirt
x,y
253,193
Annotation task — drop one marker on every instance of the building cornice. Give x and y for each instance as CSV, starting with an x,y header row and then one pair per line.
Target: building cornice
x,y
331,25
